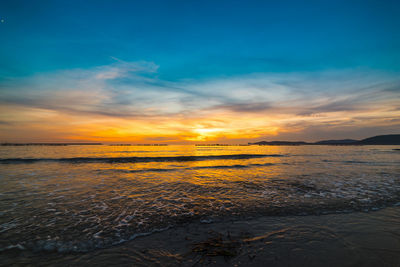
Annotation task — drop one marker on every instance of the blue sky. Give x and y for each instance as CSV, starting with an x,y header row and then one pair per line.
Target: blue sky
x,y
178,48
200,39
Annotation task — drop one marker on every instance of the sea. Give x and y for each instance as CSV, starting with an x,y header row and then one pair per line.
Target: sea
x,y
84,199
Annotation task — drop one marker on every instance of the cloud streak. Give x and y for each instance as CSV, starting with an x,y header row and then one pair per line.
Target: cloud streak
x,y
127,100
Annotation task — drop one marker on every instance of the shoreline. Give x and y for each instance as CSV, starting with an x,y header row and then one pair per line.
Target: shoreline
x,y
349,239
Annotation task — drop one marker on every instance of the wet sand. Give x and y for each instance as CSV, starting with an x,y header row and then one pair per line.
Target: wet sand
x,y
354,239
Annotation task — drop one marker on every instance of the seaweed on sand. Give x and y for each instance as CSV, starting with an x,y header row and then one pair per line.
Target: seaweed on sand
x,y
217,245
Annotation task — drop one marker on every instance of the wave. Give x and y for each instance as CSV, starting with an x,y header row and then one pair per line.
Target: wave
x,y
236,166
97,241
135,159
355,162
109,220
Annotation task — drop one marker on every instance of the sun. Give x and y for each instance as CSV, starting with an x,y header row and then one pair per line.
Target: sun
x,y
204,134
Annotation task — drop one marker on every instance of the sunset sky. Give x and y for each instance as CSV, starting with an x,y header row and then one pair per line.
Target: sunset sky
x,y
198,71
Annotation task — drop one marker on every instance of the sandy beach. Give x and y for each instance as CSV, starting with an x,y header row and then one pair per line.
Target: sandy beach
x,y
356,239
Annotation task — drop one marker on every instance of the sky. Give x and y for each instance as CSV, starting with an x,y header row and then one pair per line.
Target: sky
x,y
198,71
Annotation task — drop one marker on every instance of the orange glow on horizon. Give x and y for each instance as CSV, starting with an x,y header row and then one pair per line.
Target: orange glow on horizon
x,y
41,125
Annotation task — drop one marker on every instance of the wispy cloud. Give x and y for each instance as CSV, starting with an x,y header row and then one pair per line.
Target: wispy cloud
x,y
127,99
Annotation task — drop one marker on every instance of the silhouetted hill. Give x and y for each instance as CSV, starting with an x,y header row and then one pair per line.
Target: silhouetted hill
x,y
336,142
390,139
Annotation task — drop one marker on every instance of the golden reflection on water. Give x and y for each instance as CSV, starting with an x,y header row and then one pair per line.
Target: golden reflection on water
x,y
101,202
198,172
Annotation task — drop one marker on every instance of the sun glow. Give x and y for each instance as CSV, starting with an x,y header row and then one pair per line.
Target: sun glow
x,y
114,103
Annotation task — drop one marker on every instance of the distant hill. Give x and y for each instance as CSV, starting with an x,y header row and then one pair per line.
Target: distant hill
x,y
390,139
336,142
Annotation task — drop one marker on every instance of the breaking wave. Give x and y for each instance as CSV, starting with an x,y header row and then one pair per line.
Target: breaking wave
x,y
136,159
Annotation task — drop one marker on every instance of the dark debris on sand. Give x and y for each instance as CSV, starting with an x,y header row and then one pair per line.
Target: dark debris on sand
x,y
217,245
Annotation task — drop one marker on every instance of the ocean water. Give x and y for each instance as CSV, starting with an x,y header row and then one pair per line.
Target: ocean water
x,y
67,199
